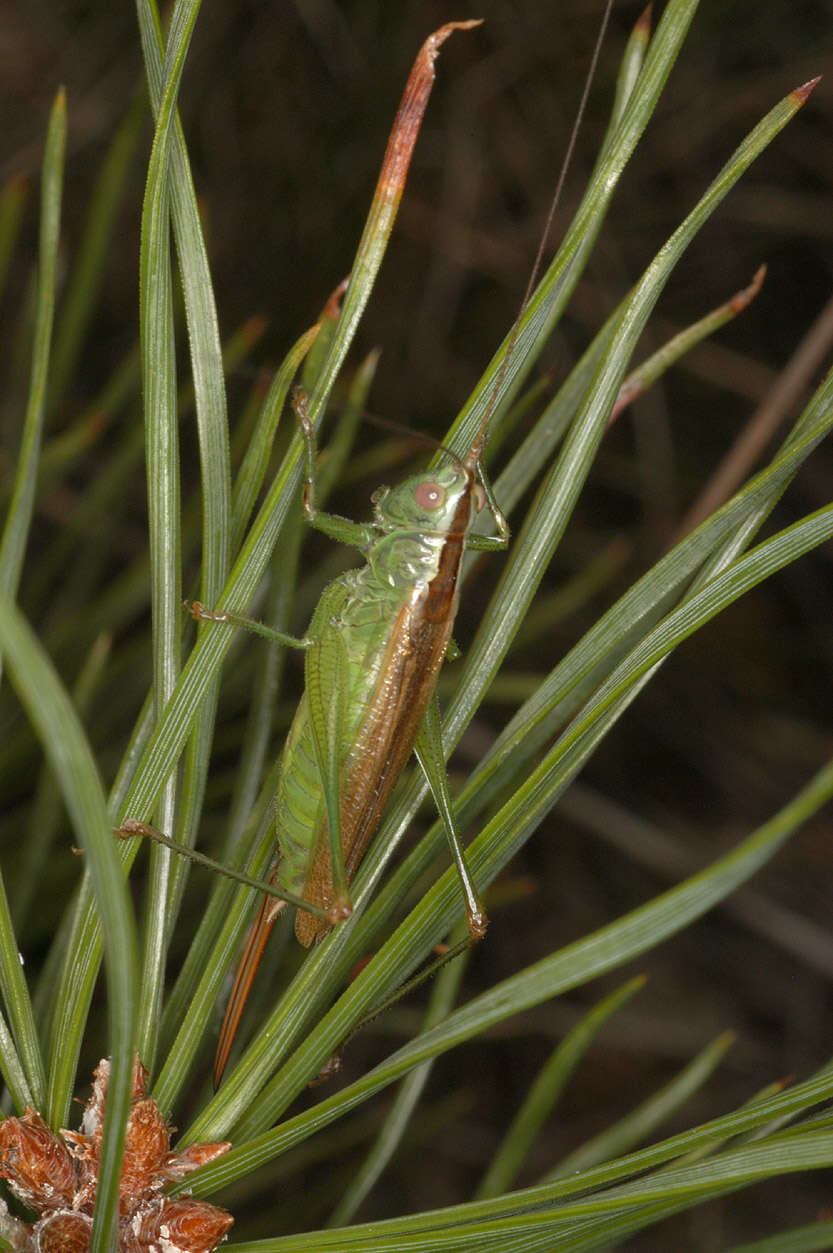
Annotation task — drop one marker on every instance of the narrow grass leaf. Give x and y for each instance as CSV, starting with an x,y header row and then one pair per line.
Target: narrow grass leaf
x,y
19,517
51,712
12,1070
162,453
636,1126
12,202
47,808
544,1093
800,1240
18,1005
89,268
443,996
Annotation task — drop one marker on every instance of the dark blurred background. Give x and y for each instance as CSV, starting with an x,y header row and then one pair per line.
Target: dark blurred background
x,y
286,109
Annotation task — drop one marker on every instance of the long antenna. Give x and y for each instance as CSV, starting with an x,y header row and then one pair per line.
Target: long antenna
x,y
477,447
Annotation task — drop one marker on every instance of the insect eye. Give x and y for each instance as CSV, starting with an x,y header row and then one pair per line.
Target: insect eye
x,y
429,496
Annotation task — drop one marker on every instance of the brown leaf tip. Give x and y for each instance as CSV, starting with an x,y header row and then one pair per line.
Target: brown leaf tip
x,y
643,23
802,93
742,298
440,35
332,308
56,1175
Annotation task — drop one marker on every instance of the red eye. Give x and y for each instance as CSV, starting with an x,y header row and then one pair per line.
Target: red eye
x,y
429,496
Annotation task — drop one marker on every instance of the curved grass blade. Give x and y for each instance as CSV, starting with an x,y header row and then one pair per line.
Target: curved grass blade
x,y
15,537
800,1240
632,61
212,428
200,306
636,1126
53,716
546,1090
47,808
645,375
11,1069
19,517
26,1049
443,996
12,202
162,452
89,268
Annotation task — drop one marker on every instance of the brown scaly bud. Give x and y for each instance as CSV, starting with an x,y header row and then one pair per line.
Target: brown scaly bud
x,y
179,1226
56,1175
64,1232
36,1163
146,1150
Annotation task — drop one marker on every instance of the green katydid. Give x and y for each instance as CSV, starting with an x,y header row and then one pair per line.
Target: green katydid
x,y
374,649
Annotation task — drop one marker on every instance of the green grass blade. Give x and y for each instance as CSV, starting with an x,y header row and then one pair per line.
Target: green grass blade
x,y
12,202
19,1007
641,1122
11,1069
800,1240
18,520
632,61
200,306
53,716
250,478
161,441
48,808
212,427
545,1091
443,996
646,374
89,269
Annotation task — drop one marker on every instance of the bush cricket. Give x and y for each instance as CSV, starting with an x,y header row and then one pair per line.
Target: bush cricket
x,y
374,649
